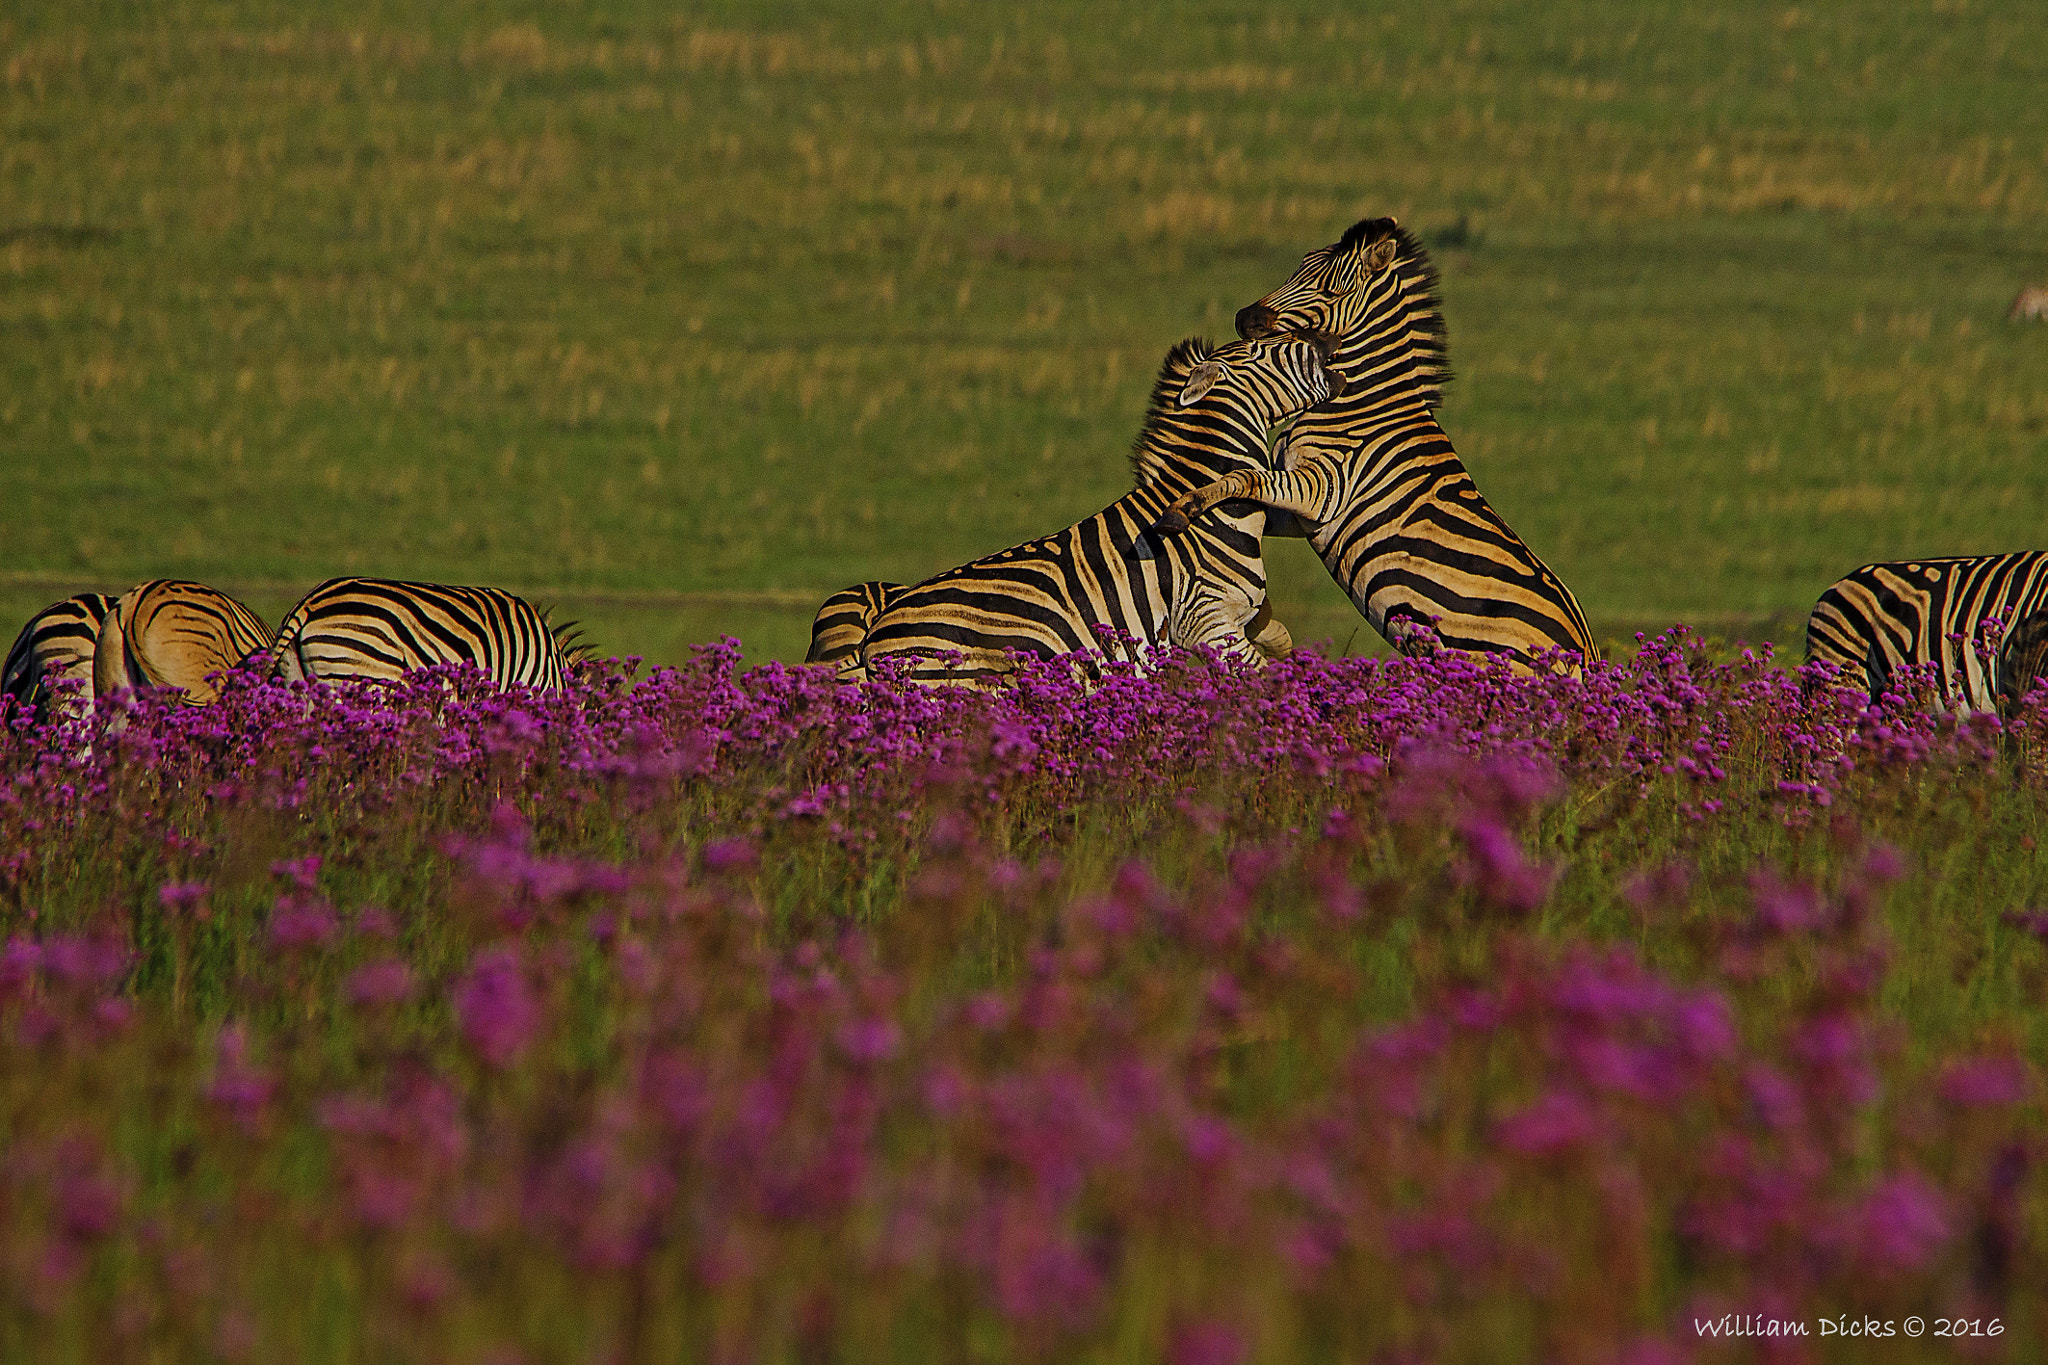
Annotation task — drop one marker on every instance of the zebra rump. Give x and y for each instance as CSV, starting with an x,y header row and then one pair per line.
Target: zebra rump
x,y
842,623
56,646
169,632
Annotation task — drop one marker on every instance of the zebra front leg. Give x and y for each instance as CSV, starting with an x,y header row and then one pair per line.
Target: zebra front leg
x,y
1243,483
1309,491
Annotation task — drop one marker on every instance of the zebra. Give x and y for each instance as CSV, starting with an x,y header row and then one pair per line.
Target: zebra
x,y
2022,659
843,622
54,648
168,632
1388,505
2029,305
382,628
1211,410
1882,616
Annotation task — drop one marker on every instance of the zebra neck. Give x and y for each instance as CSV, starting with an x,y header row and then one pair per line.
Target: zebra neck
x,y
1358,424
1385,363
1386,397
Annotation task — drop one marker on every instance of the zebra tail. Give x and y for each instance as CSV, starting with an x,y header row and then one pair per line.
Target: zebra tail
x,y
111,672
569,640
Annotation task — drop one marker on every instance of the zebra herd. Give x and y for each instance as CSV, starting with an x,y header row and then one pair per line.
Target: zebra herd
x,y
1319,421
1353,458
177,634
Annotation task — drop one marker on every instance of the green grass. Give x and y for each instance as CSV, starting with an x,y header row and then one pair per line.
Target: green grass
x,y
684,321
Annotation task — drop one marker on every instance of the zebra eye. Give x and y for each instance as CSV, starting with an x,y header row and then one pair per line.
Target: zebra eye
x,y
1344,278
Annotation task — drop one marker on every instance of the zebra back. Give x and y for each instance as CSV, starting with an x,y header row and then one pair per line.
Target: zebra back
x,y
384,628
1882,616
169,632
1404,530
56,646
1210,413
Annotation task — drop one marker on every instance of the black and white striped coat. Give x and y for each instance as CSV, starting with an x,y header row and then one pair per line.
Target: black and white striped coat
x,y
1883,616
1211,412
1387,503
56,647
170,632
383,628
843,622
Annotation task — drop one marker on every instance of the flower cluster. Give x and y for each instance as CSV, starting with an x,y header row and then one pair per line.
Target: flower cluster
x,y
1346,1009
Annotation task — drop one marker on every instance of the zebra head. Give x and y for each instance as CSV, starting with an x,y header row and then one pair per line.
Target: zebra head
x,y
1260,381
1374,291
1222,402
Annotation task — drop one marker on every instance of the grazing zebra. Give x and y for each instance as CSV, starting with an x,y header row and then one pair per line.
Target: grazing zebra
x,y
1210,413
1388,505
171,633
1933,611
56,647
378,628
844,621
2031,305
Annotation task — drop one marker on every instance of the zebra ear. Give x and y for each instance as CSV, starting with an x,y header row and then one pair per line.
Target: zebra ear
x,y
1382,254
1201,381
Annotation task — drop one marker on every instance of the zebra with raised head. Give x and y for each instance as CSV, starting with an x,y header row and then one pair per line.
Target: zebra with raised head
x,y
843,622
1883,616
382,628
54,648
169,632
1387,503
1211,411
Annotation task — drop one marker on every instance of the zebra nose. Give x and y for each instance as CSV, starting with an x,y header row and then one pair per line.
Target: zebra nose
x,y
1256,320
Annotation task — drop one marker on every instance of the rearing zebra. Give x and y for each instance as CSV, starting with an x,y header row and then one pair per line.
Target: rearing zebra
x,y
380,628
1919,611
56,646
1210,413
1388,505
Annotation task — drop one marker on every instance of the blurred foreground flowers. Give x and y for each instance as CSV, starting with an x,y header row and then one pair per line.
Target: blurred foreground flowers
x,y
1348,1010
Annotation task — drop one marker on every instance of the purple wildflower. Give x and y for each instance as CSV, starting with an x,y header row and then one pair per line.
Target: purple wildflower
x,y
496,1006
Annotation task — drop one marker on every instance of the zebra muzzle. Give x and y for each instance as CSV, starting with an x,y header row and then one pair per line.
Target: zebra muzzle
x,y
1256,320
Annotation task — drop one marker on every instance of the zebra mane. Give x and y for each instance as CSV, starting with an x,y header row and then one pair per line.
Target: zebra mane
x,y
1180,362
1428,337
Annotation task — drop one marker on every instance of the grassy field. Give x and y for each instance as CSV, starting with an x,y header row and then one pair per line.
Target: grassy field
x,y
683,322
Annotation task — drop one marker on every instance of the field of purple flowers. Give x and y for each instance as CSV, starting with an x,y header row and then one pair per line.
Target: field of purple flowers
x,y
1351,1010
